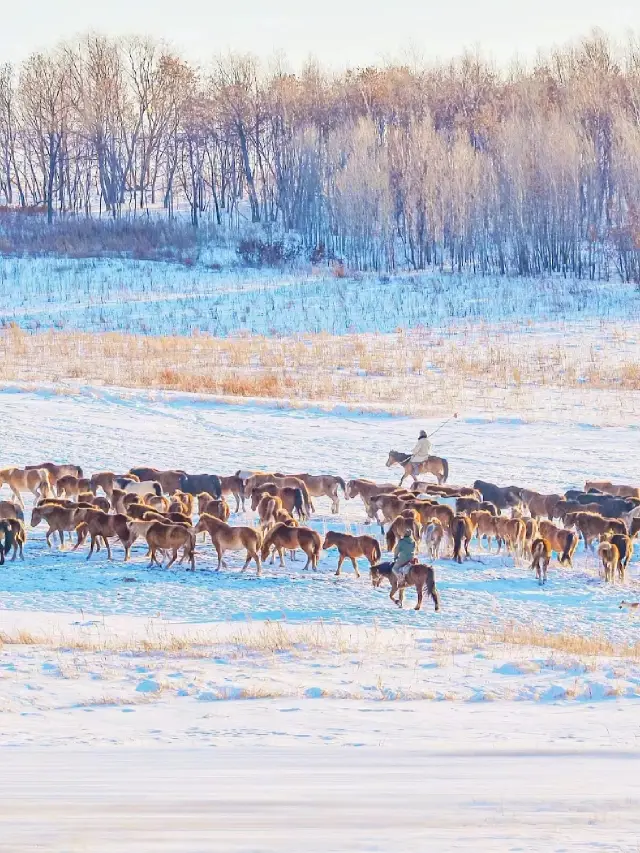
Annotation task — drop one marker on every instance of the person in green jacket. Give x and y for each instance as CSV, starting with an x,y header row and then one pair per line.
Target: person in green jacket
x,y
404,552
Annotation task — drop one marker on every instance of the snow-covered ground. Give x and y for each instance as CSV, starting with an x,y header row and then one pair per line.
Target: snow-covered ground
x,y
442,793
503,740
102,429
162,298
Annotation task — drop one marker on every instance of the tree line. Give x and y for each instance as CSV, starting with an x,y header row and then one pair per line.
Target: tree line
x,y
457,165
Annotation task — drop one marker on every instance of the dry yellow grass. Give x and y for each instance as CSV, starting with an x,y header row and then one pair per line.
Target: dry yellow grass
x,y
573,644
416,371
268,638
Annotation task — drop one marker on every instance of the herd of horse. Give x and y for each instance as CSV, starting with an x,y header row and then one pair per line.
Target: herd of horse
x,y
160,507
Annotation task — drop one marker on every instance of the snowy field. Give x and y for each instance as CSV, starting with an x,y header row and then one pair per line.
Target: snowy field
x,y
161,298
482,598
497,719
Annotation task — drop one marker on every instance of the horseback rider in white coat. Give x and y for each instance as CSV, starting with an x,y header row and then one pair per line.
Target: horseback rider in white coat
x,y
420,453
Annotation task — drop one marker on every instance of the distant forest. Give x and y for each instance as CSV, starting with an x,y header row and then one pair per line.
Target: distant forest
x,y
456,165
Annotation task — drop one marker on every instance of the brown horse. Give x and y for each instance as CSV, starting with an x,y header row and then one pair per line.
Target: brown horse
x,y
59,519
610,557
70,486
103,526
227,538
268,507
539,505
34,480
419,575
292,497
56,471
288,537
282,481
408,519
171,537
109,482
462,529
593,526
541,554
234,485
18,535
10,510
366,489
435,465
563,542
513,533
324,485
170,481
621,491
351,547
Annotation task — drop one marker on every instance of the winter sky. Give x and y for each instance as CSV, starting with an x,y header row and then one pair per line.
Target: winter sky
x,y
336,32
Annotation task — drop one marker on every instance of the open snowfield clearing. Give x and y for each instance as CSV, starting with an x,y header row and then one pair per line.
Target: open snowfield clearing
x,y
491,723
544,349
156,298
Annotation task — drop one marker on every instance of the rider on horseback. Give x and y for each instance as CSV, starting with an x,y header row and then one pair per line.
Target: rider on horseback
x,y
404,552
420,453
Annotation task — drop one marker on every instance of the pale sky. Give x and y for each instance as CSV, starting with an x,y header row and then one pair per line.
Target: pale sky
x,y
336,32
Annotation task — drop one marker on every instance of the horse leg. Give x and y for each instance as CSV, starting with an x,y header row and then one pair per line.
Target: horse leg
x,y
420,591
17,495
340,562
355,567
405,474
335,501
219,553
256,557
309,560
105,539
173,558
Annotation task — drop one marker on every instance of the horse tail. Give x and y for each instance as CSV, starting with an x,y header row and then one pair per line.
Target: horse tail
x,y
376,553
432,589
565,559
391,539
457,540
342,484
445,470
298,502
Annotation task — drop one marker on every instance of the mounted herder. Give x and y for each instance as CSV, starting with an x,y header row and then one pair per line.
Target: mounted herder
x,y
420,461
404,554
420,453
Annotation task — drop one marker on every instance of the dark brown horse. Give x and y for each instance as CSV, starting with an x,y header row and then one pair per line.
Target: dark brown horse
x,y
419,575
